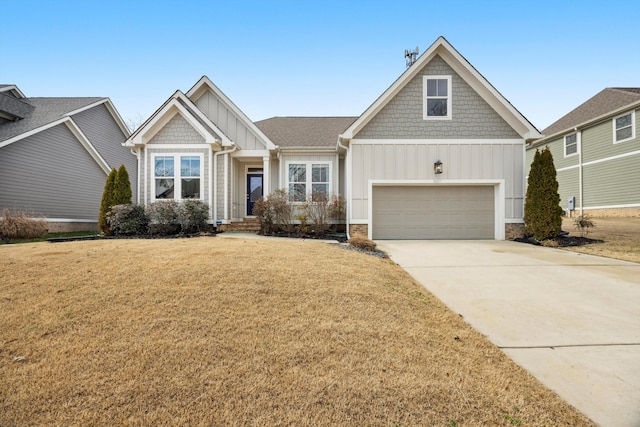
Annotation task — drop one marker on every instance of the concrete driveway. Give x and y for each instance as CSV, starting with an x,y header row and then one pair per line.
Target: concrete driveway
x,y
571,320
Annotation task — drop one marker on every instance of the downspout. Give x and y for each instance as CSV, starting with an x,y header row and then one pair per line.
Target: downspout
x,y
347,169
580,168
138,184
233,148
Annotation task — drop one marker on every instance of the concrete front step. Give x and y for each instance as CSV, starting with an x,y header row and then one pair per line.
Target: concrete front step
x,y
248,225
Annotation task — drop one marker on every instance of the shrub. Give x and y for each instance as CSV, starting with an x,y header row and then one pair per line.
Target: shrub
x,y
583,223
128,220
363,243
318,212
262,210
107,202
18,225
122,187
164,217
192,216
282,210
542,211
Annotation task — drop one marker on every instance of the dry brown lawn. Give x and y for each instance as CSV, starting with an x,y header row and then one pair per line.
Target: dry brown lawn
x,y
621,238
212,331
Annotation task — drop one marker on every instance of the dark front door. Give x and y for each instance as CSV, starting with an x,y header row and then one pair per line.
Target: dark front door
x,y
254,190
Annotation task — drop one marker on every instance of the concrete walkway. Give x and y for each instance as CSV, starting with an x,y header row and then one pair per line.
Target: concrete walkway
x,y
571,320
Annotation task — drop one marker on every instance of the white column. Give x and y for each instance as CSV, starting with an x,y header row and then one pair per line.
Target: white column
x,y
266,173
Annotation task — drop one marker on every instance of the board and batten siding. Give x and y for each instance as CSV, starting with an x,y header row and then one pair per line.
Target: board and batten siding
x,y
52,174
227,121
472,117
413,160
105,135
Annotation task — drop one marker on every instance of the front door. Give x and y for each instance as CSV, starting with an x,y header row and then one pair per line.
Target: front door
x,y
254,190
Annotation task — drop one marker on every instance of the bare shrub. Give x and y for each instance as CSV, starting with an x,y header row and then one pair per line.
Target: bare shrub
x,y
16,224
262,210
583,224
318,212
282,210
362,243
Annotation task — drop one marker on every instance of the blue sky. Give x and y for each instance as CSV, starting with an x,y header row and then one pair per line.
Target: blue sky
x,y
315,58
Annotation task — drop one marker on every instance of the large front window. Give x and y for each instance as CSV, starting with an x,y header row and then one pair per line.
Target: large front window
x,y
624,127
308,181
184,182
437,97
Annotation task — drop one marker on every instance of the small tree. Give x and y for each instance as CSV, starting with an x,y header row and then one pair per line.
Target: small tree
x,y
542,211
122,187
107,202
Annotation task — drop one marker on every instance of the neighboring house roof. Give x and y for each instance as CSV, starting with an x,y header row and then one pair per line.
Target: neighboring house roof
x,y
467,72
304,132
14,108
609,101
44,111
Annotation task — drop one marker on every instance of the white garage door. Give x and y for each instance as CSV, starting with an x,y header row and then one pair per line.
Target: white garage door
x,y
433,212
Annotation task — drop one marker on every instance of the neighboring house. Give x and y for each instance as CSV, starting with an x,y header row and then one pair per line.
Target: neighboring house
x,y
55,155
440,111
596,152
439,155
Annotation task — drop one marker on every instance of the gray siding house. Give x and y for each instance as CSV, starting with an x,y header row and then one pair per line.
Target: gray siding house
x,y
55,155
596,152
439,155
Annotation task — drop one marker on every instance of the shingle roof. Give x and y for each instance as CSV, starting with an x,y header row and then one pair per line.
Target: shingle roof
x,y
606,101
14,106
45,111
304,132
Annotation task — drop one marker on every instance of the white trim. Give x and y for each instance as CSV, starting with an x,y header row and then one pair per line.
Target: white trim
x,y
13,87
425,97
565,169
606,159
499,197
631,205
248,166
112,110
250,153
67,220
356,141
177,176
633,127
80,136
577,144
153,146
33,132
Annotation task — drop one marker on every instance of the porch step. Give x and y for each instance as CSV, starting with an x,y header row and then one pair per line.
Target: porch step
x,y
248,225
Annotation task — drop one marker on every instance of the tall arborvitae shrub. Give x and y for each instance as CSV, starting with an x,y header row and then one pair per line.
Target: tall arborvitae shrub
x,y
542,211
107,202
122,187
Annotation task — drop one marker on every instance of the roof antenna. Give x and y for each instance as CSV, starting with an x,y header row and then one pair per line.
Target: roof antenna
x,y
411,56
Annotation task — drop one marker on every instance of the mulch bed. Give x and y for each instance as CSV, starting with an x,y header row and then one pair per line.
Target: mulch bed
x,y
562,241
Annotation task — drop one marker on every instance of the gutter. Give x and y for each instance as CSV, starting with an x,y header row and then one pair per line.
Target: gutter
x,y
347,170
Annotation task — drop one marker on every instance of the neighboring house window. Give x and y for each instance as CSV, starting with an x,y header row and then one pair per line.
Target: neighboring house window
x,y
624,127
184,182
571,145
307,180
437,97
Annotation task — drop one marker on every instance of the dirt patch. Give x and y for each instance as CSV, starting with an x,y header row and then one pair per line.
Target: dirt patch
x,y
243,332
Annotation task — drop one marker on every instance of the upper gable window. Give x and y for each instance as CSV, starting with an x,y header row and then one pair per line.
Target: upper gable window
x,y
571,145
437,97
624,127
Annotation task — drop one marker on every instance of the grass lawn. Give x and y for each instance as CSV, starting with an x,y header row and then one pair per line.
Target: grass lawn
x,y
621,238
224,331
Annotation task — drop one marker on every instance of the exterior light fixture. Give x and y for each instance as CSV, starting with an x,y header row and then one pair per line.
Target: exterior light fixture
x,y
437,167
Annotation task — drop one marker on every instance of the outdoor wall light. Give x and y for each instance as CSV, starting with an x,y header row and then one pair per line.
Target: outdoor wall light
x,y
437,167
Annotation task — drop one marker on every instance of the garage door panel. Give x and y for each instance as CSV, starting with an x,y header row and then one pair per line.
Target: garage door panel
x,y
433,212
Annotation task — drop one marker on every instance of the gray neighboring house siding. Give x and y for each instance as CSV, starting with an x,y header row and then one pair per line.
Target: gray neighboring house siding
x,y
402,118
61,181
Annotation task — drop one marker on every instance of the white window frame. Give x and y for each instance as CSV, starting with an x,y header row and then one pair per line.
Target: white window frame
x,y
308,178
177,176
633,127
448,97
577,143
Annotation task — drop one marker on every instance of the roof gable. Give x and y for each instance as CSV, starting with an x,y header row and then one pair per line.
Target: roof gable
x,y
467,72
607,102
205,84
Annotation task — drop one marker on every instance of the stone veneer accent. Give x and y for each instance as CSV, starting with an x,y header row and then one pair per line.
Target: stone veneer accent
x,y
513,231
361,230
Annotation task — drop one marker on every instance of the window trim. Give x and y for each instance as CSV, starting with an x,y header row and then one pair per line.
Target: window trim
x,y
577,143
425,98
177,177
309,177
633,127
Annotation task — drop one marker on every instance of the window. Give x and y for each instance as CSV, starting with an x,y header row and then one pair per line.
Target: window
x,y
182,183
308,180
571,145
624,127
437,97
